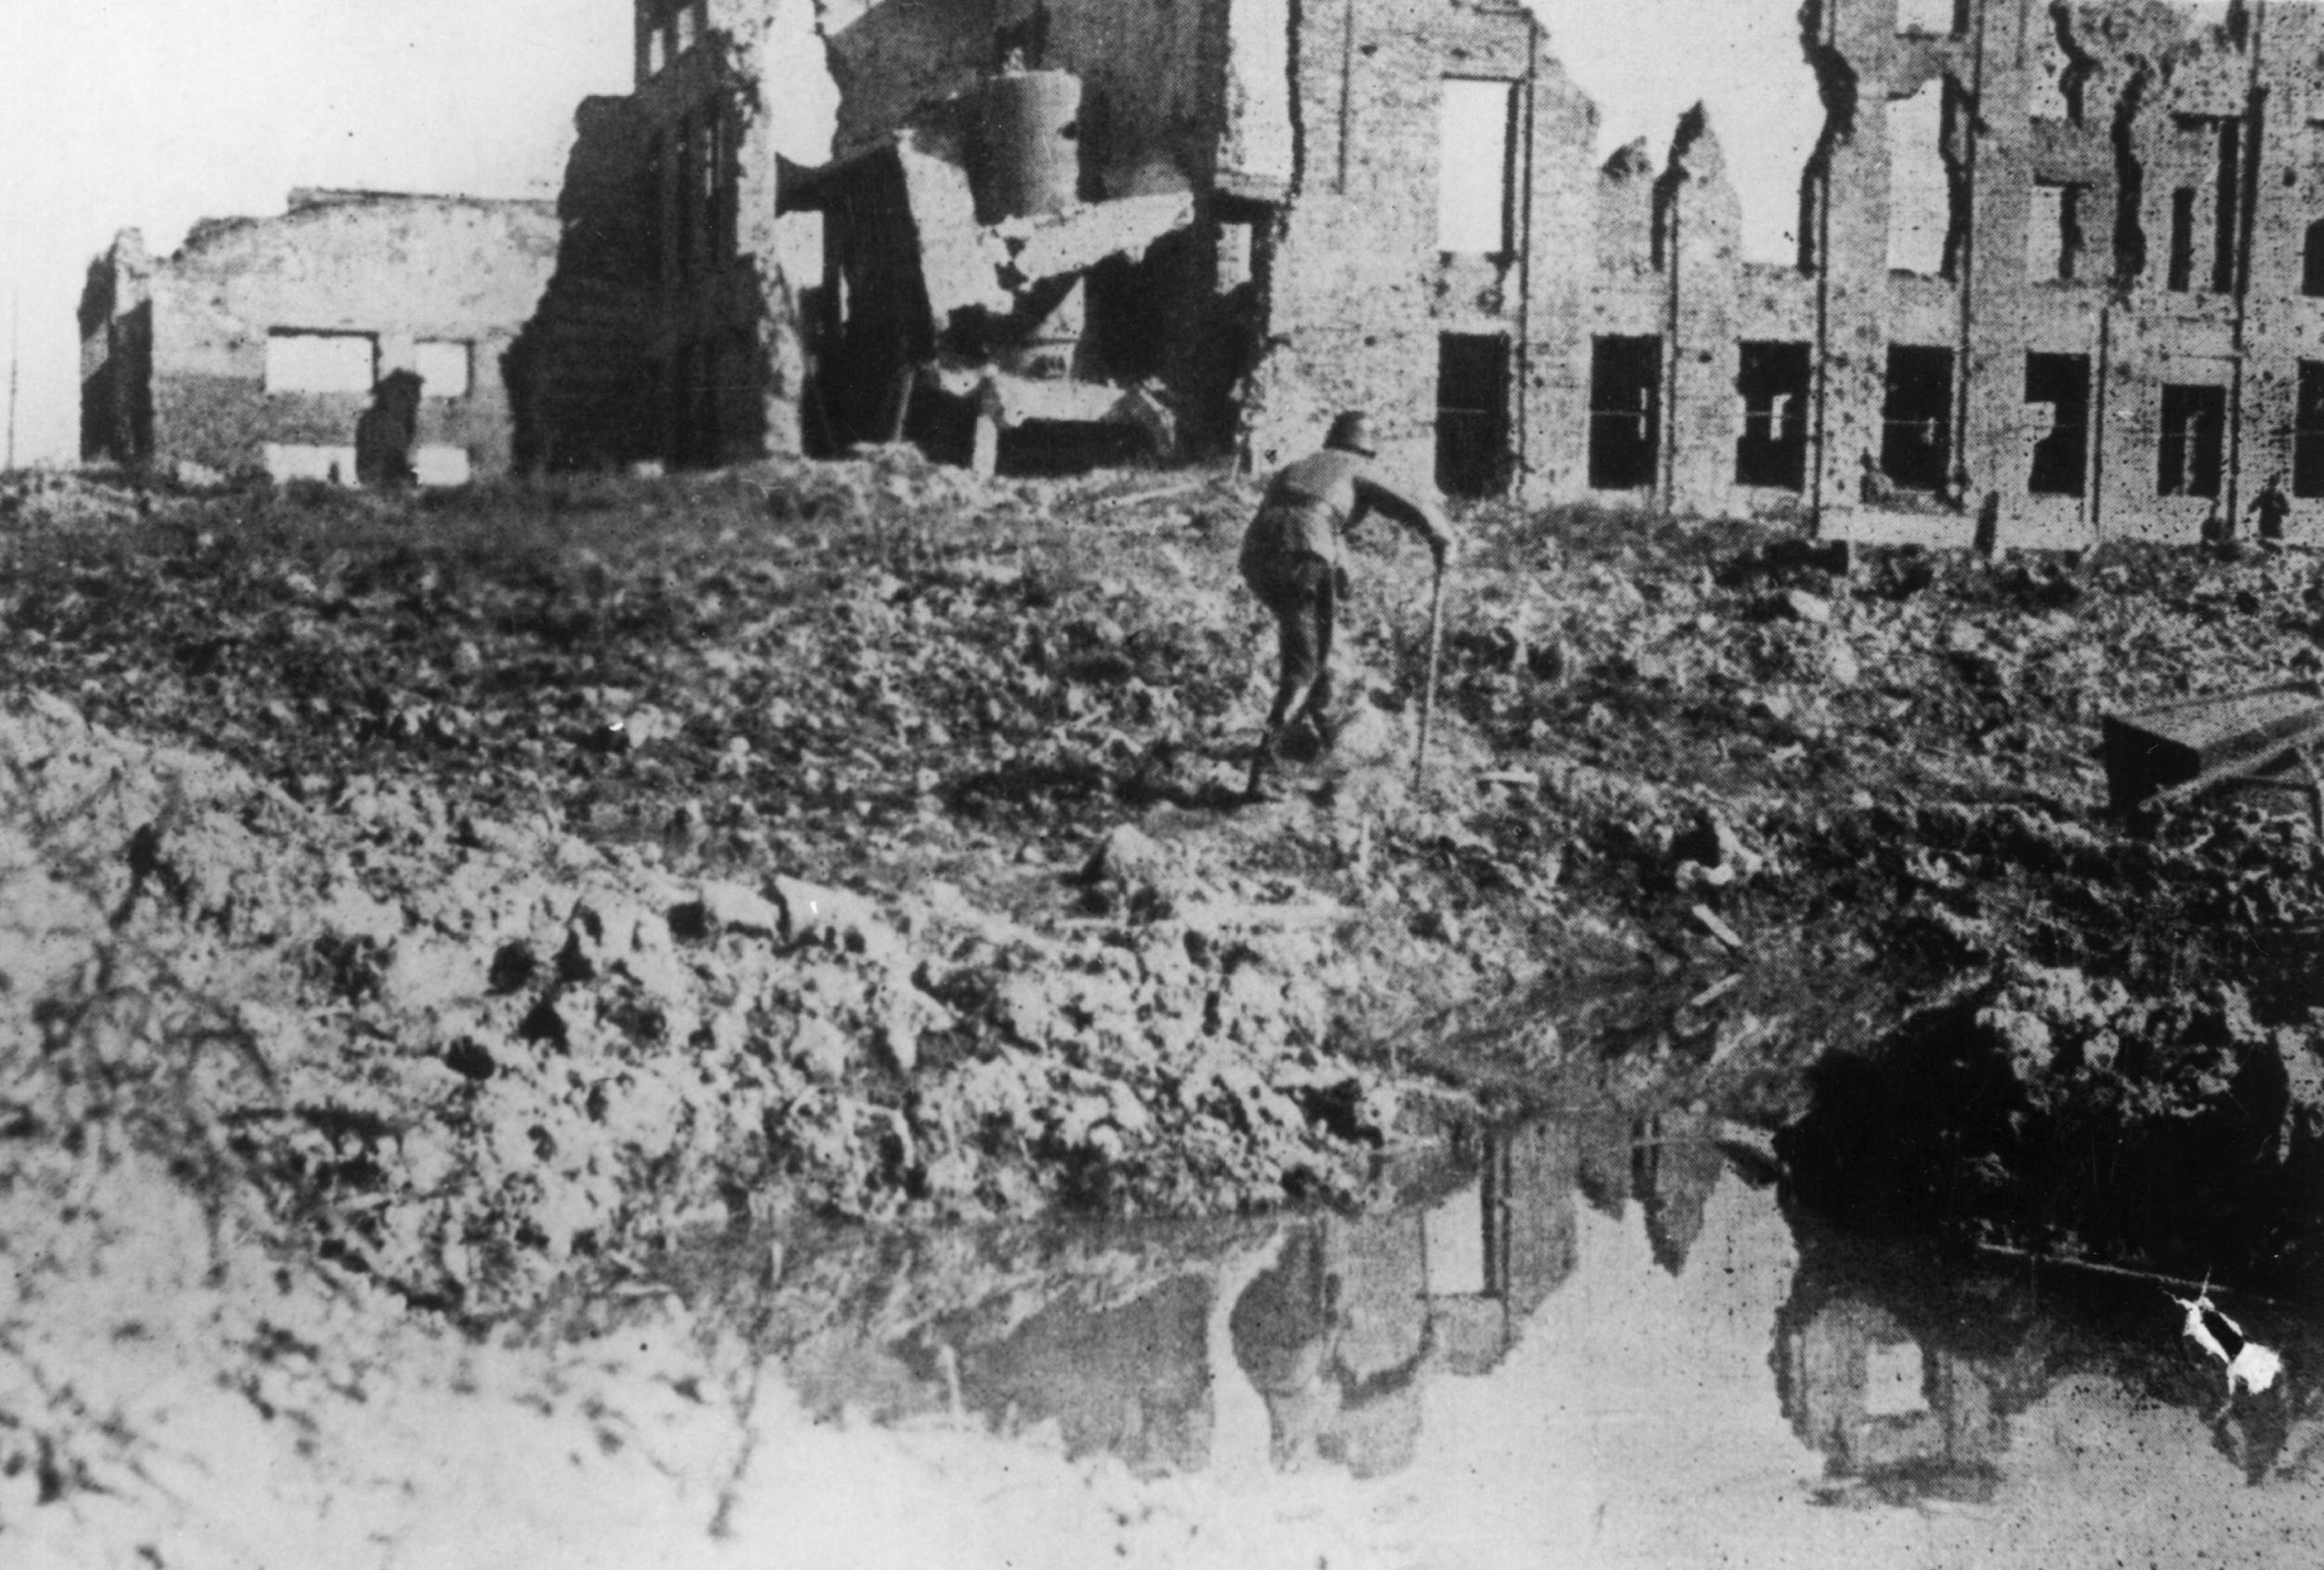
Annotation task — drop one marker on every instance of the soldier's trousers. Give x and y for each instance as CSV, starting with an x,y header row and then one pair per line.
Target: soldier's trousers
x,y
1305,595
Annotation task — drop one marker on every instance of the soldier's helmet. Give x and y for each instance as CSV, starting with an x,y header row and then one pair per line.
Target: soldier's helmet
x,y
1351,433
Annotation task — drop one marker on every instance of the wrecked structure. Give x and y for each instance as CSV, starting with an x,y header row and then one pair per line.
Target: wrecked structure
x,y
2064,254
259,344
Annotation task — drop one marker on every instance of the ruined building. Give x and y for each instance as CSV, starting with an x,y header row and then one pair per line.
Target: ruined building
x,y
2071,255
259,344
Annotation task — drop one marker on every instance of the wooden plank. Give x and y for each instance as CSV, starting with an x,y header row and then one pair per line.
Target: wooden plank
x,y
2170,747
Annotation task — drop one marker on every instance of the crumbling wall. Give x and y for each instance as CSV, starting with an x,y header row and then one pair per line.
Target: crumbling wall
x,y
1153,100
401,268
580,374
1698,221
1361,290
116,323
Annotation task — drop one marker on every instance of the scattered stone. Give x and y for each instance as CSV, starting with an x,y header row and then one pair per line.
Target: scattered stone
x,y
732,908
1709,921
1800,605
470,1061
1128,855
513,967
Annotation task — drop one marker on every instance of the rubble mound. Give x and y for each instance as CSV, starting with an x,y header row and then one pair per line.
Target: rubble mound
x,y
461,1055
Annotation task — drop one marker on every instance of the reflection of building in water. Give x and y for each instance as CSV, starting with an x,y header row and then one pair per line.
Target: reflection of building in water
x,y
1498,1250
1910,1422
1132,1381
1674,1167
1334,1336
1905,1374
1337,1333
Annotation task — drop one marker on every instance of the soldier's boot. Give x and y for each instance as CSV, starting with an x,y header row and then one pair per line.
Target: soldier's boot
x,y
1256,788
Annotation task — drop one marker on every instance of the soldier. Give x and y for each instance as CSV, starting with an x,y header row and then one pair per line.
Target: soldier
x,y
384,433
2271,507
1293,562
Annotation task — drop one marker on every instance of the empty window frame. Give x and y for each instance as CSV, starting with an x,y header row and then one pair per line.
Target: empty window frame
x,y
1917,416
2180,274
2226,205
1473,414
684,217
717,190
312,362
444,366
2181,267
686,29
1920,186
307,460
1773,379
2312,261
1625,411
2190,452
1476,158
2059,383
1929,19
438,464
2054,232
2307,431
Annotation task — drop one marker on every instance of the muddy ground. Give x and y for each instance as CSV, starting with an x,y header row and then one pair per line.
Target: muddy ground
x,y
431,920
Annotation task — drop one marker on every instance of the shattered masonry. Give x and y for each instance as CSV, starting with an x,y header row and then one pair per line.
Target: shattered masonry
x,y
259,343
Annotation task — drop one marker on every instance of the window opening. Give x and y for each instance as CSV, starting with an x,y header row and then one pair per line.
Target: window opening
x,y
2225,205
1929,19
1475,166
683,176
2182,271
2307,431
1920,186
444,367
2194,441
1473,414
312,362
1917,416
2057,387
1774,381
2054,236
1625,411
2312,261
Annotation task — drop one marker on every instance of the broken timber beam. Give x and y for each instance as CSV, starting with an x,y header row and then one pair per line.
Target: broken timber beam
x,y
2177,750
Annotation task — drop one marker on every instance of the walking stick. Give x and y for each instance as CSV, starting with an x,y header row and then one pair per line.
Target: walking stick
x,y
1428,694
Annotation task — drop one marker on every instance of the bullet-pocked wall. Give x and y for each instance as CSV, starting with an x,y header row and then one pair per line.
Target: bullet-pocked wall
x,y
2118,300
2056,254
257,345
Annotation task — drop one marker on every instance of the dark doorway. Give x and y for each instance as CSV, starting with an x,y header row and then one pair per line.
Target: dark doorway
x,y
1773,448
2307,431
1625,412
2312,261
2059,458
1473,414
1917,416
2194,441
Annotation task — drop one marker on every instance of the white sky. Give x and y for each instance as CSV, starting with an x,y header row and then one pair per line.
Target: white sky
x,y
153,114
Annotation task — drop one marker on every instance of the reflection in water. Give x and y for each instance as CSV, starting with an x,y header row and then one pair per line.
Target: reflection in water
x,y
1333,1336
1129,1381
1904,1377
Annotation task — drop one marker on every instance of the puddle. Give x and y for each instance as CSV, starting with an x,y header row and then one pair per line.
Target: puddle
x,y
1601,1344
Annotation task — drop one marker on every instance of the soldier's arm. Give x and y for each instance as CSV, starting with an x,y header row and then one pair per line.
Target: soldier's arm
x,y
1418,513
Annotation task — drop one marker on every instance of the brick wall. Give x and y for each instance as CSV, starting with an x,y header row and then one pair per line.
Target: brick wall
x,y
401,268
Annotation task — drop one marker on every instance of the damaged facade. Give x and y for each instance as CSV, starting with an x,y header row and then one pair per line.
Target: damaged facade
x,y
2065,254
259,344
